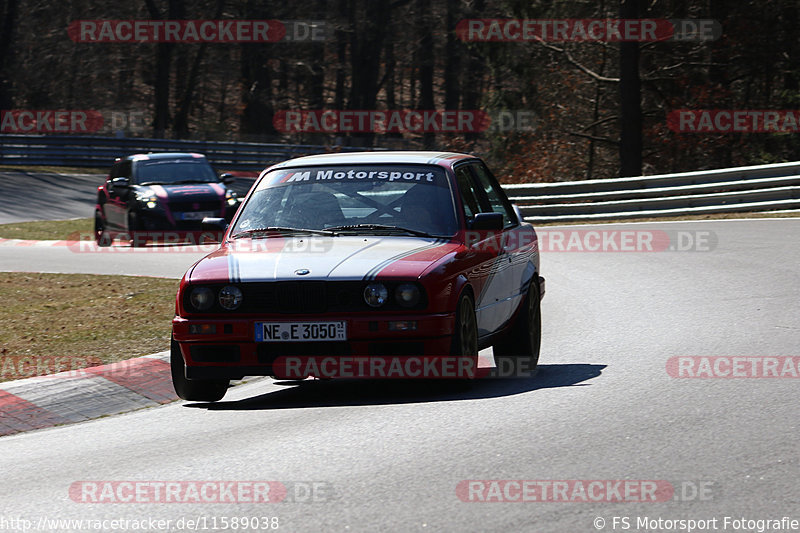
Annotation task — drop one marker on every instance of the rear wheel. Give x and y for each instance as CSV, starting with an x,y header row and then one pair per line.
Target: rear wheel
x,y
101,237
198,390
518,354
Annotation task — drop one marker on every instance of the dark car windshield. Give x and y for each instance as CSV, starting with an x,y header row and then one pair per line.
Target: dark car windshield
x,y
368,199
174,170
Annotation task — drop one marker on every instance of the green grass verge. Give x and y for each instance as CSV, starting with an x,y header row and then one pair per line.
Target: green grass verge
x,y
44,230
54,322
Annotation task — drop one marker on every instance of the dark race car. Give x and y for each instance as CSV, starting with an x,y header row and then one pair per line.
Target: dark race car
x,y
375,264
160,197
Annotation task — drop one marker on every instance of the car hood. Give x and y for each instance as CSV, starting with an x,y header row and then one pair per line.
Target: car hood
x,y
190,192
324,258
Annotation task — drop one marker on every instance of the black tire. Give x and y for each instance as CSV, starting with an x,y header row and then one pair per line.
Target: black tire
x,y
134,225
518,354
101,237
465,336
197,390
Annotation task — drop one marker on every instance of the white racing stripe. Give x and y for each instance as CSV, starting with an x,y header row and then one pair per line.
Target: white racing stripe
x,y
343,257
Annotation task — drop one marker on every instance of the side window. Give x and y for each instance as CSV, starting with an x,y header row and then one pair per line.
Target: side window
x,y
114,172
469,199
498,202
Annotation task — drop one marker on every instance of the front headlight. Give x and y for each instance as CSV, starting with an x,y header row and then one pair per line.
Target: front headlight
x,y
201,298
150,202
231,198
230,297
375,294
407,295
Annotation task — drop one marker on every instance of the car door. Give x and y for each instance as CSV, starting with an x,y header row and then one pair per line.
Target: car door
x,y
116,207
488,271
517,239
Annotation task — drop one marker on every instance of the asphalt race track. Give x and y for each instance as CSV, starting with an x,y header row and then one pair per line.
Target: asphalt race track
x,y
47,196
390,456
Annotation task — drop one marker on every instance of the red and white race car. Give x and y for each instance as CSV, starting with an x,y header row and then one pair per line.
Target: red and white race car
x,y
374,264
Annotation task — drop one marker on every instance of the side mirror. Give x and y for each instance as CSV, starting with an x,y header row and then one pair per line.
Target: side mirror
x,y
121,183
227,178
487,222
214,224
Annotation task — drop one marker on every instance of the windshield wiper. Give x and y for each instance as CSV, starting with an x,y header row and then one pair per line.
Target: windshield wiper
x,y
383,227
280,229
152,183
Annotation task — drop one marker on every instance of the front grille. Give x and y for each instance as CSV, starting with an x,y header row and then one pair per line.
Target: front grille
x,y
306,297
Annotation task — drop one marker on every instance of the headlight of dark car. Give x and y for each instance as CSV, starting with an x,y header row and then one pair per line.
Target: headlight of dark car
x,y
148,202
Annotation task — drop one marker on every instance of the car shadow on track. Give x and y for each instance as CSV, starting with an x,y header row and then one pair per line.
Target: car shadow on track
x,y
353,392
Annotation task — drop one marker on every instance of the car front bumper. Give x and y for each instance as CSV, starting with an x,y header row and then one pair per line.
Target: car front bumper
x,y
229,351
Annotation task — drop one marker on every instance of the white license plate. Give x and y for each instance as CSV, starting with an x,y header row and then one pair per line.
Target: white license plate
x,y
196,215
300,331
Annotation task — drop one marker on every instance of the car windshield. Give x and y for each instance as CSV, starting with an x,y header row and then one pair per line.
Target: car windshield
x,y
168,171
365,199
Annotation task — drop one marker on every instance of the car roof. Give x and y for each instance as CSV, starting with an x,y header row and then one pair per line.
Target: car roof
x,y
164,155
446,159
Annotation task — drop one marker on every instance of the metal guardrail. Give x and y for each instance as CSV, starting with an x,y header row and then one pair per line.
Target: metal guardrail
x,y
741,189
94,151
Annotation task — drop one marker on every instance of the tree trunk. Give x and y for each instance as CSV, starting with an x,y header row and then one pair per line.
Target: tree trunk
x,y
630,139
9,13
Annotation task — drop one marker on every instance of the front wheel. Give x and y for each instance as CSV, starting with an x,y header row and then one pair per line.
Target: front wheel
x,y
198,390
101,237
518,354
465,337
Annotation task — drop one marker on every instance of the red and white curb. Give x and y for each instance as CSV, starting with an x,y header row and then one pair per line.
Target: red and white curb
x,y
77,396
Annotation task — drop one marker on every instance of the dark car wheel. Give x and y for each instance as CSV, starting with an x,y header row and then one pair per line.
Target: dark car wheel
x,y
518,354
134,225
101,237
198,390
